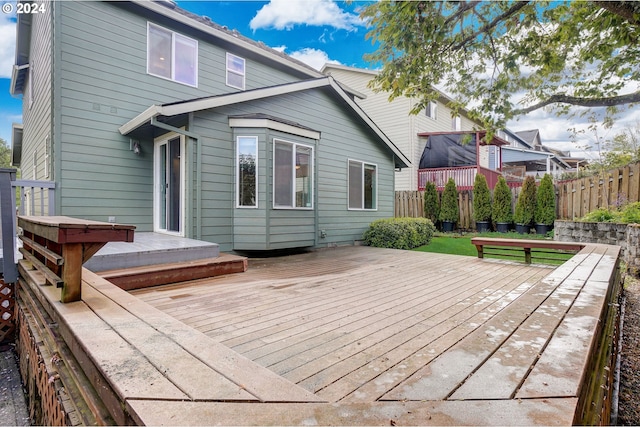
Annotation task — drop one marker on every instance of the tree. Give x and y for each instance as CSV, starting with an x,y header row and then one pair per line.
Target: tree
x,y
526,203
502,212
5,154
431,202
485,53
481,199
545,202
449,204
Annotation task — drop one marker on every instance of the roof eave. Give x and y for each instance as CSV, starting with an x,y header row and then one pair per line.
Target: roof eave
x,y
228,38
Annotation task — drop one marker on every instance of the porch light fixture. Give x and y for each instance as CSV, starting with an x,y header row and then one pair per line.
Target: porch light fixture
x,y
134,145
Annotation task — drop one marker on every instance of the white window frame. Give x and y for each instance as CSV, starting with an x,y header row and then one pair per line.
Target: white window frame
x,y
362,167
238,205
174,36
235,72
431,110
295,146
456,123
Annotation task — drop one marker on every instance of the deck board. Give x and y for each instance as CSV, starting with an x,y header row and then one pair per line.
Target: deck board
x,y
388,336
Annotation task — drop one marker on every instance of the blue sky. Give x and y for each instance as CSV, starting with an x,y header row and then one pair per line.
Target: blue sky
x,y
313,31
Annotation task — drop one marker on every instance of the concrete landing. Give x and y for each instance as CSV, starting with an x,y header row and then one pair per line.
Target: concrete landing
x,y
150,249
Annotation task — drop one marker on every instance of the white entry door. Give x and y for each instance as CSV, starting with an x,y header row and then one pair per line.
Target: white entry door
x,y
169,184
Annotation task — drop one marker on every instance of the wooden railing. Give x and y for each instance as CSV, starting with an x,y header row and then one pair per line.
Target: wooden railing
x,y
464,177
57,246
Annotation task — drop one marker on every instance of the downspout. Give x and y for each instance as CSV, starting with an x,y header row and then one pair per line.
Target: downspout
x,y
195,137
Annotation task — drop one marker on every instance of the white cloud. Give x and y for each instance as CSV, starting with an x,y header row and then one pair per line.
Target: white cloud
x,y
7,45
285,14
312,57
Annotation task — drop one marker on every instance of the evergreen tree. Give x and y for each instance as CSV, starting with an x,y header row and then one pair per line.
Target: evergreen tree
x,y
481,199
526,204
546,202
502,211
449,204
431,202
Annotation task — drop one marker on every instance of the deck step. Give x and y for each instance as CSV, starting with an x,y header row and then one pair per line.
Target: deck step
x,y
150,249
164,274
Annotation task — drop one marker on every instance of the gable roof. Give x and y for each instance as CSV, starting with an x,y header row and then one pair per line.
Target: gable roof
x,y
199,104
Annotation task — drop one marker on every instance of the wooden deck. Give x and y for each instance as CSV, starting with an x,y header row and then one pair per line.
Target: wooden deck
x,y
375,336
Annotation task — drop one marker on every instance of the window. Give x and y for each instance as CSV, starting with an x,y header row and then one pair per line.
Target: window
x,y
362,185
247,164
235,71
455,123
292,175
430,110
172,56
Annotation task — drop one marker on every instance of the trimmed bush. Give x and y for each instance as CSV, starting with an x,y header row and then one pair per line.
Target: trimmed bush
x,y
545,202
431,202
481,199
501,209
526,204
399,233
449,202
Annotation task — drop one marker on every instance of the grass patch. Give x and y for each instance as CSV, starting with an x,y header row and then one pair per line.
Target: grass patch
x,y
460,244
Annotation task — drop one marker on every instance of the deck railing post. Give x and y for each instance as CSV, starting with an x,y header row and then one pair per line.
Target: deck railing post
x,y
7,212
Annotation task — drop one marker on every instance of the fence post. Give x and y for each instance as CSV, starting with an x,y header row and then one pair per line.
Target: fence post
x,y
7,224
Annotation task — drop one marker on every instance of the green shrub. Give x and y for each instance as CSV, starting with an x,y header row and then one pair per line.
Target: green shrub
x,y
631,213
545,212
526,204
501,209
601,215
481,199
399,233
449,203
431,202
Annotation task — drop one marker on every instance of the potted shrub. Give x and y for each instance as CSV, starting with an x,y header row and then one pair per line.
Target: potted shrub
x,y
525,206
431,202
501,211
481,203
545,213
449,213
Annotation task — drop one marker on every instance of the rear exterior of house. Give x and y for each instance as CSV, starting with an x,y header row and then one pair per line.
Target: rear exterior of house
x,y
297,165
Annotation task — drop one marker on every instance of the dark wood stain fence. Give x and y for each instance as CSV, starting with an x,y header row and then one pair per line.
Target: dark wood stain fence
x,y
574,198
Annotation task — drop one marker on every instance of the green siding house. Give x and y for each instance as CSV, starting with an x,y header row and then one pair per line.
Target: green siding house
x,y
146,114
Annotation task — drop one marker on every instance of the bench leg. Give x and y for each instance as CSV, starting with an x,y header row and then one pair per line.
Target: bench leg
x,y
71,272
527,255
480,251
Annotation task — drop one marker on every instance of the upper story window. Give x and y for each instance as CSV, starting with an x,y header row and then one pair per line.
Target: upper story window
x,y
292,175
430,110
455,123
235,71
171,55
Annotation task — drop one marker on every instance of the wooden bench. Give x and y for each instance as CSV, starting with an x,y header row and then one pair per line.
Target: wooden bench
x,y
57,246
507,247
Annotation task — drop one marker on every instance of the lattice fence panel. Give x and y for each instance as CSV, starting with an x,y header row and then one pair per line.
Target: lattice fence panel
x,y
7,311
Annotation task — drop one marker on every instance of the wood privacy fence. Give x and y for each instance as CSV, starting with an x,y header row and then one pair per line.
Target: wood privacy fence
x,y
574,198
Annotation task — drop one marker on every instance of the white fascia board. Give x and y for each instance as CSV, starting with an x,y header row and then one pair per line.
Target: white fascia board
x,y
140,119
163,10
237,97
272,124
370,123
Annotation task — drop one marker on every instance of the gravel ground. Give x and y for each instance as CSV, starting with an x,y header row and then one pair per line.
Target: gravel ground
x,y
629,404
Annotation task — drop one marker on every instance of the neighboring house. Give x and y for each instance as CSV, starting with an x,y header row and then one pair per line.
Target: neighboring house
x,y
396,122
143,113
526,155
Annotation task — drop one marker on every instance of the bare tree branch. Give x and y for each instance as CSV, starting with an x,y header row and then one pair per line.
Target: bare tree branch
x,y
583,102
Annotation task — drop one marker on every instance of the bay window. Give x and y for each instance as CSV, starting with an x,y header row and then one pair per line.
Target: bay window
x,y
292,175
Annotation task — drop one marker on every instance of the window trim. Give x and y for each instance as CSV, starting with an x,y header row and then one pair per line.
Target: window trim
x,y
362,168
293,190
431,111
227,71
173,55
238,205
456,123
